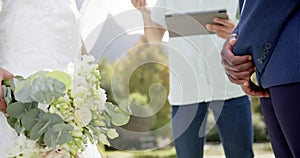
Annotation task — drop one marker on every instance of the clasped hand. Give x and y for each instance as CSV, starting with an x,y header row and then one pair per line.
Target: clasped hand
x,y
239,69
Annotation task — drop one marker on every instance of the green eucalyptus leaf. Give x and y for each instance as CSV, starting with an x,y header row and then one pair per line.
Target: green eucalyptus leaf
x,y
30,118
117,115
107,119
62,77
59,87
18,78
44,90
58,134
22,91
16,110
39,129
32,105
40,74
15,81
18,127
6,90
37,91
45,121
62,127
12,121
53,117
8,95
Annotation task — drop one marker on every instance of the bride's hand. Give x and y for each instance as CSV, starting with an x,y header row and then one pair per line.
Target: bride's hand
x,y
3,74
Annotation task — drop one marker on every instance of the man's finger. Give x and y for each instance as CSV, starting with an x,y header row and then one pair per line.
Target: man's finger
x,y
232,41
233,60
239,75
248,66
237,81
228,55
254,90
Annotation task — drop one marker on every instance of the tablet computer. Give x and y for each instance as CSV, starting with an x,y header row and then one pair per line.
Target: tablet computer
x,y
192,23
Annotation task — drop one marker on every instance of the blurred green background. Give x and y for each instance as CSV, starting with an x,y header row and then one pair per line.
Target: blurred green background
x,y
132,76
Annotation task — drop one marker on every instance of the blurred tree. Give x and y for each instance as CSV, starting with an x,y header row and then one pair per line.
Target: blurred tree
x,y
139,82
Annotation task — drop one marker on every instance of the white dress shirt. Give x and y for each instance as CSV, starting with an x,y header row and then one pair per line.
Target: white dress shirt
x,y
196,73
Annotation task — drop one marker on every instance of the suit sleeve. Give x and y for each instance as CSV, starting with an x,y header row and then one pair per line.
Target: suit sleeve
x,y
240,7
260,26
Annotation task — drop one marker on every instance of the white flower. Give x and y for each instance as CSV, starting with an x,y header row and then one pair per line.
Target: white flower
x,y
88,58
83,117
81,92
54,110
25,146
43,107
103,99
78,102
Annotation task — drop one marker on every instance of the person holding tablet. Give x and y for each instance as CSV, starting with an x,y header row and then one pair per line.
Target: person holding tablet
x,y
198,81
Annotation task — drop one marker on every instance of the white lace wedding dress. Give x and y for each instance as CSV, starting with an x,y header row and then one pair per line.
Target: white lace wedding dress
x,y
37,35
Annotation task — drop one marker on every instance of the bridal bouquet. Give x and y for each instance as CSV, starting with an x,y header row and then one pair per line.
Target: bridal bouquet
x,y
58,113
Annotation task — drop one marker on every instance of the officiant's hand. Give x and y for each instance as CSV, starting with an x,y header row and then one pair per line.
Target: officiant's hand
x,y
3,74
141,5
224,27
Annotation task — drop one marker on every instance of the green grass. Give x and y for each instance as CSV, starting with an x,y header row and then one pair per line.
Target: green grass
x,y
210,149
166,153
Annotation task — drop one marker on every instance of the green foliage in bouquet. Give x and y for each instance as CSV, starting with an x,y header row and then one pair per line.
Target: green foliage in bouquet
x,y
24,113
61,111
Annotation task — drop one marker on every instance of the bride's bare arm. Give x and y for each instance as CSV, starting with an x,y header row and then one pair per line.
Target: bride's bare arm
x,y
83,48
153,31
3,74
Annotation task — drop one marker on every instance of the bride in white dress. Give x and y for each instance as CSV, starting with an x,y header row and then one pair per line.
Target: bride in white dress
x,y
37,35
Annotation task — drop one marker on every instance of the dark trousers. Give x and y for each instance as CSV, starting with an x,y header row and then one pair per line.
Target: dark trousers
x,y
234,124
282,116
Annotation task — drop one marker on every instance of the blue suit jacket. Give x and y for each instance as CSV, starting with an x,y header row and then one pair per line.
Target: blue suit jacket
x,y
269,30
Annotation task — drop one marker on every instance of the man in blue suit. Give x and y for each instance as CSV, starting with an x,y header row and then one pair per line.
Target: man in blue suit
x,y
267,41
